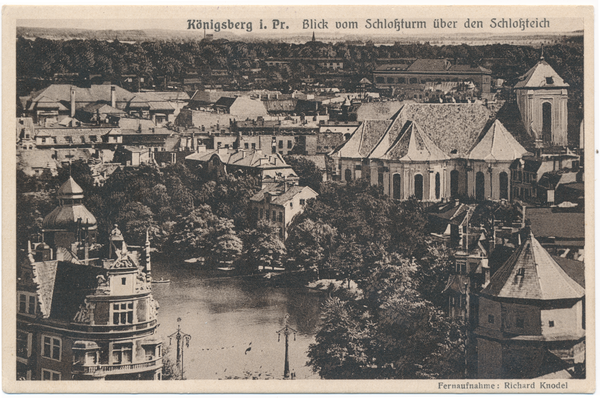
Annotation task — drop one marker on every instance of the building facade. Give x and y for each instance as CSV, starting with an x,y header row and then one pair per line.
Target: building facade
x,y
85,311
280,204
542,100
530,318
433,152
419,75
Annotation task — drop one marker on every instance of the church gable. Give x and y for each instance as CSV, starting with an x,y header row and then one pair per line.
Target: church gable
x,y
414,145
497,144
542,75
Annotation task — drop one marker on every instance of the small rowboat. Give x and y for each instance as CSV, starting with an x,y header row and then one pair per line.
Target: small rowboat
x,y
161,280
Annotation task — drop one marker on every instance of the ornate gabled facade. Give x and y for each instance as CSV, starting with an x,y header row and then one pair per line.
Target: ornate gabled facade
x,y
530,318
434,152
80,315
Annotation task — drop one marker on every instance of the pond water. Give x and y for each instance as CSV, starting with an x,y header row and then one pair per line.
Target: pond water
x,y
233,323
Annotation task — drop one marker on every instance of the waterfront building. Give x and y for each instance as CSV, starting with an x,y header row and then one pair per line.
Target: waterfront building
x,y
531,319
280,203
85,311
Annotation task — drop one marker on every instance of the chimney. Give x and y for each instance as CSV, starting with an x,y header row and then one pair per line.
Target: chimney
x,y
72,101
113,97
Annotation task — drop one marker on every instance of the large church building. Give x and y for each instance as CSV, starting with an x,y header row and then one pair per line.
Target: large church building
x,y
433,152
439,151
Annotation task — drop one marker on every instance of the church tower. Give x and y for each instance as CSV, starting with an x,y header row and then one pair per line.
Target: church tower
x,y
542,101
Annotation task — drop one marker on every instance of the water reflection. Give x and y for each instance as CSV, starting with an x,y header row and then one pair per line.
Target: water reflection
x,y
233,323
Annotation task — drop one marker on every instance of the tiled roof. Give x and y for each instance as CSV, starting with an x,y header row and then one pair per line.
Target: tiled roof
x,y
531,273
575,269
225,102
62,92
47,103
36,159
392,67
413,145
161,105
542,75
453,128
242,158
378,110
279,197
287,105
469,68
497,144
546,223
171,95
364,139
102,108
44,276
429,65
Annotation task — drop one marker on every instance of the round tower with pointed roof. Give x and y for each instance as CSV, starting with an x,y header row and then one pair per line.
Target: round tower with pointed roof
x,y
530,317
542,100
71,221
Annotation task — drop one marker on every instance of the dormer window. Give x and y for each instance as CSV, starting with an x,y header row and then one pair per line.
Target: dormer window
x,y
549,80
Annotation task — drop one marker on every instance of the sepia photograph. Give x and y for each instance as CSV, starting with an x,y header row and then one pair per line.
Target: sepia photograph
x,y
273,199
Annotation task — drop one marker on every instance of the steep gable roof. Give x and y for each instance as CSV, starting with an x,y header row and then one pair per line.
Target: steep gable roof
x,y
531,273
453,128
537,77
497,144
413,145
363,140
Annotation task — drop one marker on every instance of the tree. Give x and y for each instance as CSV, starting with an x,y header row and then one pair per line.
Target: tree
x,y
311,245
262,247
308,172
135,219
349,257
408,336
341,345
202,234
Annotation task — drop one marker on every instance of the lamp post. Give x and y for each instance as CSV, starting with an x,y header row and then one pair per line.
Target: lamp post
x,y
181,337
286,330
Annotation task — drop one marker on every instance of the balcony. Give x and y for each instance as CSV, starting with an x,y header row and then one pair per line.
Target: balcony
x,y
105,370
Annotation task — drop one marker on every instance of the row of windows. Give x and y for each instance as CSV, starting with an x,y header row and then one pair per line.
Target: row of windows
x,y
525,176
400,80
68,139
411,80
276,217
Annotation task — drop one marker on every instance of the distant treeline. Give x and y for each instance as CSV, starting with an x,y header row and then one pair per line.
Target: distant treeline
x,y
42,58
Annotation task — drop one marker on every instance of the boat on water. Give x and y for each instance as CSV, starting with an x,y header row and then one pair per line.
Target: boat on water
x,y
161,280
